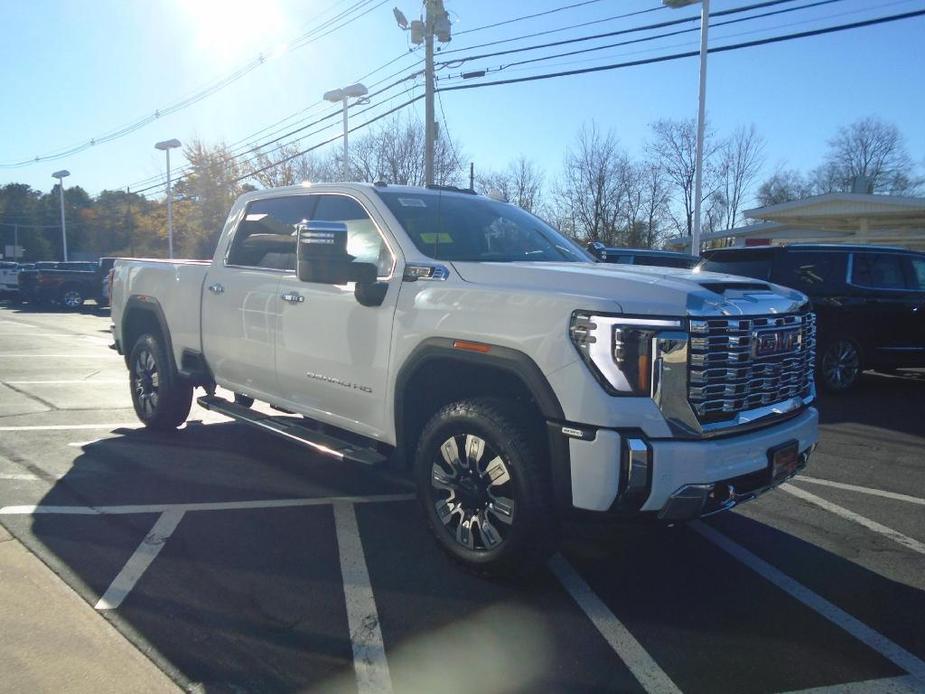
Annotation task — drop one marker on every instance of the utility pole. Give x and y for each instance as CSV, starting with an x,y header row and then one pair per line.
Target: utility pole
x,y
16,242
471,175
435,25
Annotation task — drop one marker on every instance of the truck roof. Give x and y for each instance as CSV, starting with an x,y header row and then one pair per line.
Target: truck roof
x,y
304,188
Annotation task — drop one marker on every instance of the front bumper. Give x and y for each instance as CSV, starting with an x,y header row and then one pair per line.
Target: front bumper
x,y
625,473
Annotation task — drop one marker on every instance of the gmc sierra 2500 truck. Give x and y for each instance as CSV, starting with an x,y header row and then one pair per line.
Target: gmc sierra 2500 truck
x,y
520,381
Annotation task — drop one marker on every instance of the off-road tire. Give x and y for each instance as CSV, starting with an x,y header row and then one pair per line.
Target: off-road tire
x,y
528,536
150,373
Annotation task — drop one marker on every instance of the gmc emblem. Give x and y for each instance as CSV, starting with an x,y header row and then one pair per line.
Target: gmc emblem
x,y
771,341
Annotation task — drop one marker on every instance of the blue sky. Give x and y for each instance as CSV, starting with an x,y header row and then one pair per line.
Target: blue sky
x,y
74,70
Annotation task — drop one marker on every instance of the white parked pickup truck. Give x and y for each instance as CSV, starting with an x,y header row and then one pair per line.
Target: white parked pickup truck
x,y
518,380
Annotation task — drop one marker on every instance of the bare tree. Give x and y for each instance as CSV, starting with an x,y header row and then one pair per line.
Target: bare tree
x,y
783,185
286,167
394,153
591,194
674,150
872,149
521,183
740,159
647,199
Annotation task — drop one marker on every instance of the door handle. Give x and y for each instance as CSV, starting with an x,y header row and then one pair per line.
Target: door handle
x,y
292,297
216,289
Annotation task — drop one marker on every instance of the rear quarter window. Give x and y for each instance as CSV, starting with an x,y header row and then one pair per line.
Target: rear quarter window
x,y
811,272
878,271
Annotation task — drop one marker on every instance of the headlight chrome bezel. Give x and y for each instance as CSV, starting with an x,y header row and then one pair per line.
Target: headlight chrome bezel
x,y
621,351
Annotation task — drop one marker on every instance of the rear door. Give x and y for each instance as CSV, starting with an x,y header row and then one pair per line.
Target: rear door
x,y
240,302
917,278
884,302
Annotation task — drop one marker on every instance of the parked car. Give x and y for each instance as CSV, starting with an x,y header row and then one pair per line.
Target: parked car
x,y
522,381
9,285
67,284
869,300
641,256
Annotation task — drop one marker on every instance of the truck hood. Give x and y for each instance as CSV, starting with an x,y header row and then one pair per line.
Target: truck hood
x,y
637,289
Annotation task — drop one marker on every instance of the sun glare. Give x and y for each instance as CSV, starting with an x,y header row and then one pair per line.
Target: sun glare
x,y
232,31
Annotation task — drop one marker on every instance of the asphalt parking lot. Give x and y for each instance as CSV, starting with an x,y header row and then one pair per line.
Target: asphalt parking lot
x,y
239,562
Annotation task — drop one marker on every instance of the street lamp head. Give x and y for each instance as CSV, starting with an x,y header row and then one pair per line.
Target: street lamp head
x,y
335,95
400,18
677,4
167,144
61,174
356,90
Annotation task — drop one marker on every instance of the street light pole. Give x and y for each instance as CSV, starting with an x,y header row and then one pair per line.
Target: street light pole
x,y
343,95
701,114
167,145
60,175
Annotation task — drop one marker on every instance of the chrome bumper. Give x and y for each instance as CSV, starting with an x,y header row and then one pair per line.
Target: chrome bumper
x,y
701,500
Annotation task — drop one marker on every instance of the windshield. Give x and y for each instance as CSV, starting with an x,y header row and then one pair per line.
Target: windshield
x,y
471,228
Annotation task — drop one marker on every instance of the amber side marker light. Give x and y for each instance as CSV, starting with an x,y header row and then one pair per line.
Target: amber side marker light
x,y
471,346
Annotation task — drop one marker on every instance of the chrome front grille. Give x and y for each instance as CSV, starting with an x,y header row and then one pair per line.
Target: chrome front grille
x,y
739,364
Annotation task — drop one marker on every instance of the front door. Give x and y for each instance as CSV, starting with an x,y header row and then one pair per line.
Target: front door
x,y
332,353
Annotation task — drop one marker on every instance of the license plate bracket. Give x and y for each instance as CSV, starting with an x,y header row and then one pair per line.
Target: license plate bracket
x,y
783,460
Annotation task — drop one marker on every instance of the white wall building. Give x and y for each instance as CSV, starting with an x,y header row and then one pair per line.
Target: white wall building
x,y
831,218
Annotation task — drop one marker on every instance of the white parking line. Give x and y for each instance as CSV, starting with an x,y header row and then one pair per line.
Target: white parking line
x,y
31,510
92,355
19,476
876,527
149,548
887,685
85,382
863,633
637,659
369,661
68,427
862,490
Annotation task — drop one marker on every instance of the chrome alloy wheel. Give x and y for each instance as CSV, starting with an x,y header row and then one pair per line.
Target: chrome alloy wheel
x,y
145,381
841,364
72,298
473,495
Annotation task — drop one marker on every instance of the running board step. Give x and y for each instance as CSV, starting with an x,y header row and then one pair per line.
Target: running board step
x,y
293,429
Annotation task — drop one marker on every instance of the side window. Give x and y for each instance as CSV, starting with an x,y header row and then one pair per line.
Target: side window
x,y
811,272
265,238
878,270
363,239
918,273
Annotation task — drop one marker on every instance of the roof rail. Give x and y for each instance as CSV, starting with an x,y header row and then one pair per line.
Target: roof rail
x,y
451,189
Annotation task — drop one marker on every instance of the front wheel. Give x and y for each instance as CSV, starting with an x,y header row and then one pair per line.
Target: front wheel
x,y
482,480
162,398
840,365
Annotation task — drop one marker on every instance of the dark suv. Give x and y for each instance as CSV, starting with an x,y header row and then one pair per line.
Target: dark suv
x,y
869,301
641,256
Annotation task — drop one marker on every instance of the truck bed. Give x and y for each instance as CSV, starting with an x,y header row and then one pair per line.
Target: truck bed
x,y
174,286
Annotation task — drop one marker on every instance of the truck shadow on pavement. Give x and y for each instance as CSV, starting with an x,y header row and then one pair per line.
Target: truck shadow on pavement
x,y
90,309
252,599
894,402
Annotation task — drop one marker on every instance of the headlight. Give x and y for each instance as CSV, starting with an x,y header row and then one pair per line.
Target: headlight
x,y
620,350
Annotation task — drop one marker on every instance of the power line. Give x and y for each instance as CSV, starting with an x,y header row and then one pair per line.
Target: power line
x,y
250,147
631,30
667,34
204,93
541,14
690,54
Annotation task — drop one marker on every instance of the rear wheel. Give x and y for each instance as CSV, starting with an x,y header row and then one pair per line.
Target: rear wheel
x,y
482,480
72,297
840,365
162,398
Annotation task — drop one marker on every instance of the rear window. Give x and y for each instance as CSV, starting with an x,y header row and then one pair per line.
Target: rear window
x,y
746,264
918,272
878,270
811,272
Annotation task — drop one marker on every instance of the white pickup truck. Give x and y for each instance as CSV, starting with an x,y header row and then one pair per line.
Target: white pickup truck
x,y
519,381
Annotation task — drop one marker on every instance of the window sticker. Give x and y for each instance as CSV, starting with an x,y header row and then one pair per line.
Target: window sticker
x,y
442,237
412,202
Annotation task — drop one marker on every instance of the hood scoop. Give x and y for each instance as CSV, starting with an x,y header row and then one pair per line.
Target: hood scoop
x,y
723,287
